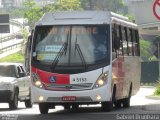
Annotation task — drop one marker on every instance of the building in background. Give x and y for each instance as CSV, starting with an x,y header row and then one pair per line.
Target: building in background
x,y
144,15
11,3
18,3
147,16
44,2
7,3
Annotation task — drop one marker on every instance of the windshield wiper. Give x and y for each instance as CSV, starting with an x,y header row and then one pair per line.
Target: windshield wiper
x,y
77,47
60,53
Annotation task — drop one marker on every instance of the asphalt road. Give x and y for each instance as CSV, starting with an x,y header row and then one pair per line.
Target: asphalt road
x,y
139,105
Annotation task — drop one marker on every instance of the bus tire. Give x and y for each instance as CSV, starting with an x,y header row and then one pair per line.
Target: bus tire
x,y
67,107
107,106
43,108
118,104
75,107
126,101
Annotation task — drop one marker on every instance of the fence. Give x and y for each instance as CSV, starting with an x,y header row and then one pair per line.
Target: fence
x,y
17,23
11,37
149,72
10,47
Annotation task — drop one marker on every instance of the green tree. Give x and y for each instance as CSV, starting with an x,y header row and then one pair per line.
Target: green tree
x,y
146,51
88,4
130,17
63,5
17,12
32,12
111,5
70,4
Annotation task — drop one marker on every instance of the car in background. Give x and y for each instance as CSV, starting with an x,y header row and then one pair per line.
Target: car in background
x,y
14,85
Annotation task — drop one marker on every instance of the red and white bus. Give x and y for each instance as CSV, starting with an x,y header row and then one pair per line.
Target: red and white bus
x,y
84,57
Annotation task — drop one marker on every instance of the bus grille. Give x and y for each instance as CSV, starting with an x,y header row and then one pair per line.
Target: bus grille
x,y
78,99
64,87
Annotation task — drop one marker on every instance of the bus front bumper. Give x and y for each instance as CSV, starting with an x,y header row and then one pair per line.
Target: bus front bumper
x,y
87,96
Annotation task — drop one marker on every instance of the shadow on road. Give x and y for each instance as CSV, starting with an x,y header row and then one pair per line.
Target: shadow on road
x,y
7,109
80,114
89,113
85,113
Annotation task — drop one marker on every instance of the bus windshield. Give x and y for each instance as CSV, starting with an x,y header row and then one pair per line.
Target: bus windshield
x,y
83,45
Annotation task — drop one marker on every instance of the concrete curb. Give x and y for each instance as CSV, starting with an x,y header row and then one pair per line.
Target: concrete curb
x,y
152,107
152,86
153,97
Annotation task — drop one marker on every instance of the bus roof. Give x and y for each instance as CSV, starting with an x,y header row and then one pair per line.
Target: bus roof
x,y
82,17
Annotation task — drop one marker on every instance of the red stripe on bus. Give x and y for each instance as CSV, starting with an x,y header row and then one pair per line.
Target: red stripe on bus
x,y
118,75
46,76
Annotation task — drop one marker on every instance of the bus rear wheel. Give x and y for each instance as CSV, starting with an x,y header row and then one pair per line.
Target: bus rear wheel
x,y
118,104
43,108
126,101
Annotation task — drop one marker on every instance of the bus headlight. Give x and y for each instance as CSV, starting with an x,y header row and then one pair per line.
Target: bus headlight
x,y
36,81
102,80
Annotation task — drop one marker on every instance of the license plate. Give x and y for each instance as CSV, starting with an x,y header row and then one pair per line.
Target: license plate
x,y
68,98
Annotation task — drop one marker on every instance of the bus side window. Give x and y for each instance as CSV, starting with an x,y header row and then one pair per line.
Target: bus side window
x,y
114,35
137,48
129,35
134,44
117,41
125,41
119,37
113,38
119,31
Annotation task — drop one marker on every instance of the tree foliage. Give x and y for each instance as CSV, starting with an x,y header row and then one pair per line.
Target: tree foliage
x,y
111,5
69,4
63,5
17,13
31,11
146,51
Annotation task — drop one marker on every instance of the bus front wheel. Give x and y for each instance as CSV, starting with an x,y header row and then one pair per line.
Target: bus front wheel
x,y
107,106
67,107
43,108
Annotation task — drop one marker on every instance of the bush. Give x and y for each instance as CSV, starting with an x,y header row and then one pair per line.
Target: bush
x,y
157,90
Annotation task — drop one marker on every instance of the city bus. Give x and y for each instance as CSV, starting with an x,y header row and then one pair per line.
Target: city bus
x,y
82,58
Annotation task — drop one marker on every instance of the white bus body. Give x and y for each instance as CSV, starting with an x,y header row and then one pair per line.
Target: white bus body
x,y
63,72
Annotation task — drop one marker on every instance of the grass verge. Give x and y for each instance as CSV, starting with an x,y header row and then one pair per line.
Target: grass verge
x,y
16,57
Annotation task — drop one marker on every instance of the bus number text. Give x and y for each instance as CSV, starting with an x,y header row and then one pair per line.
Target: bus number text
x,y
80,80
